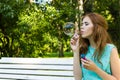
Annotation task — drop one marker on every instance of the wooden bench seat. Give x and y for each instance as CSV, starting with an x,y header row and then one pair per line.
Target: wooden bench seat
x,y
36,68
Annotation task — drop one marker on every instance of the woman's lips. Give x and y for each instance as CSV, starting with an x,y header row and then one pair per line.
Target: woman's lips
x,y
81,32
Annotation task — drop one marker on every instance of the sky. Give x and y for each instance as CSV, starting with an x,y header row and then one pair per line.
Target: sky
x,y
41,1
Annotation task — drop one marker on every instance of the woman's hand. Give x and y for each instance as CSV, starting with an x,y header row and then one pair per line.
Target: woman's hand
x,y
88,64
74,43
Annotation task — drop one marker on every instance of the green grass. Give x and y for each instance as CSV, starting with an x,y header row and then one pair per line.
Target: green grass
x,y
66,54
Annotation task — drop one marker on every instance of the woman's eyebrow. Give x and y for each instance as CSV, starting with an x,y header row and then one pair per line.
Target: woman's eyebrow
x,y
85,22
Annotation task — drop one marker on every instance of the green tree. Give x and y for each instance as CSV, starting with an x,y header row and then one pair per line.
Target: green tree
x,y
8,17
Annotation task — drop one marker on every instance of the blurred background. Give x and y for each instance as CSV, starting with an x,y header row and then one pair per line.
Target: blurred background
x,y
34,28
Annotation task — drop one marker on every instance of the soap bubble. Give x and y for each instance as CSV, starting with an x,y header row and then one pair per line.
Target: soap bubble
x,y
69,28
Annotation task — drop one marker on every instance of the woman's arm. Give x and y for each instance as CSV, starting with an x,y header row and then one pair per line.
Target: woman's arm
x,y
76,59
76,67
115,64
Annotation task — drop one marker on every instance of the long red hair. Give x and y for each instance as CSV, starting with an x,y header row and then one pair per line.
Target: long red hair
x,y
100,35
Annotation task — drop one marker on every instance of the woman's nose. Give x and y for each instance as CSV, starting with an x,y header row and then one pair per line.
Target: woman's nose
x,y
81,27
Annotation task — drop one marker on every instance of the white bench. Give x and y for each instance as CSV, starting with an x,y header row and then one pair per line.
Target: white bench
x,y
36,68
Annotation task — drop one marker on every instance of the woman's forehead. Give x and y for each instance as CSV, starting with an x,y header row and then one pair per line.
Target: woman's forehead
x,y
86,19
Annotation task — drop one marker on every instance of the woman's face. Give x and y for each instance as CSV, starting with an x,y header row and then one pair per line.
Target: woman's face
x,y
86,29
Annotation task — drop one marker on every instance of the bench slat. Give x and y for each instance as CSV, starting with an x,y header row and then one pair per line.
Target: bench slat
x,y
31,77
37,72
7,79
36,67
37,60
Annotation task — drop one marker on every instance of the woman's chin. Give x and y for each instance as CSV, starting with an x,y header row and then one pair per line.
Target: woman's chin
x,y
83,36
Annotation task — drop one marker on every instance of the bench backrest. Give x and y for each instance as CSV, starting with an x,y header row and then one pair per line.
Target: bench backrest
x,y
36,68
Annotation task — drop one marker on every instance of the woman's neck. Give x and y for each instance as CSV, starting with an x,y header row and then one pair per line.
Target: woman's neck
x,y
92,43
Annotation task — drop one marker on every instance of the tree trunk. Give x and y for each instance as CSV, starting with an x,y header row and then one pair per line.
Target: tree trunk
x,y
61,54
79,14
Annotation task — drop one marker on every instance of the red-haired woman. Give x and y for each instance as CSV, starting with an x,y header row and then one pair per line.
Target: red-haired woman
x,y
95,56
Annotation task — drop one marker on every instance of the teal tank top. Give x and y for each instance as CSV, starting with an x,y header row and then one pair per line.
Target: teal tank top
x,y
105,60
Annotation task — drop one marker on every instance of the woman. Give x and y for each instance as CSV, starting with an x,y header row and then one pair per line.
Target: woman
x,y
101,61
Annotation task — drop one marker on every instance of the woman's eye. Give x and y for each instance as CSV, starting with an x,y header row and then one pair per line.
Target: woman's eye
x,y
86,24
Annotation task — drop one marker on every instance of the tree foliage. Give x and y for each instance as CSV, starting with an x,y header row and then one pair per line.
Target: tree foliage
x,y
33,30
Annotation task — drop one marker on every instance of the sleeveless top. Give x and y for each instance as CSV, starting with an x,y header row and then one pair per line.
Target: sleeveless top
x,y
105,60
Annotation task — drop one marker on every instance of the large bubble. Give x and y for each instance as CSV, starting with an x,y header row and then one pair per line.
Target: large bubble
x,y
69,28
